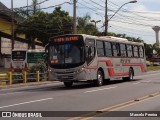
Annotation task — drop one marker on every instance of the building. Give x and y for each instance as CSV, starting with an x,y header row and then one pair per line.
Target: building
x,y
6,37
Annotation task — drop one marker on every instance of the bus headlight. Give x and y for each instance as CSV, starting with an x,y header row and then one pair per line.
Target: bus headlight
x,y
49,70
81,69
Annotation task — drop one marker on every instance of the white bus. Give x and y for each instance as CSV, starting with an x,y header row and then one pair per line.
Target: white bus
x,y
22,59
76,58
18,60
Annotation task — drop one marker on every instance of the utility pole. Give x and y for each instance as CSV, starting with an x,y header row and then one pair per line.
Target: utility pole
x,y
27,8
106,15
74,17
106,19
12,24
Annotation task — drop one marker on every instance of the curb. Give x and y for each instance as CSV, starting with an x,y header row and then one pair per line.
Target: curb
x,y
21,85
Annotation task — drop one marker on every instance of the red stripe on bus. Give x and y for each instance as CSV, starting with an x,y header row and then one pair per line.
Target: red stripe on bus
x,y
92,67
111,71
135,64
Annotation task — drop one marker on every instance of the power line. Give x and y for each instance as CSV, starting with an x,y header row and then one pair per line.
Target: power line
x,y
133,23
131,32
90,8
97,3
32,5
92,5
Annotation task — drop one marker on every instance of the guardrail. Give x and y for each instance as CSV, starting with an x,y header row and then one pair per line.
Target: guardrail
x,y
3,78
23,77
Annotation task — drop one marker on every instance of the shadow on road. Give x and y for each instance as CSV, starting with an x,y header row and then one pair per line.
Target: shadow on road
x,y
76,86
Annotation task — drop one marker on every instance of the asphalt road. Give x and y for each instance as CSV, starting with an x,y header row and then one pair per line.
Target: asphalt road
x,y
141,94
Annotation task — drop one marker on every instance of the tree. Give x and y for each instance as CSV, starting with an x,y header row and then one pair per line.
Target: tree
x,y
85,27
41,26
148,50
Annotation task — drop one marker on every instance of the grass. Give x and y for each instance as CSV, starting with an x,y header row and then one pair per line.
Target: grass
x,y
154,68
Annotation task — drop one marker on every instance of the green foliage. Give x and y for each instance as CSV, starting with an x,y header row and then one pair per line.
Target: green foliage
x,y
148,50
85,27
40,66
42,25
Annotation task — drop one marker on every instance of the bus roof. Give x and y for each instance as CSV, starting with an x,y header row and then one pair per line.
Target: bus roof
x,y
108,38
113,39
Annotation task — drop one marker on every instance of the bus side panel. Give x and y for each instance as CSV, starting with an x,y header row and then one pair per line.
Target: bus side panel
x,y
137,65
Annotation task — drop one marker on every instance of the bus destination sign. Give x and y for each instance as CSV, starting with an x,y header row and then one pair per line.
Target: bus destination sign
x,y
66,39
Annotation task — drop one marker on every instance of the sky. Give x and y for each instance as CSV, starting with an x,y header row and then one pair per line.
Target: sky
x,y
133,19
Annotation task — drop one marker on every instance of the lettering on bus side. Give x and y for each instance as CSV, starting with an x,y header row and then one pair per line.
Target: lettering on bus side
x,y
122,60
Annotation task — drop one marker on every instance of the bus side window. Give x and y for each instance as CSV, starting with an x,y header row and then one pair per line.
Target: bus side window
x,y
123,50
116,49
129,51
100,48
141,51
135,51
90,50
108,49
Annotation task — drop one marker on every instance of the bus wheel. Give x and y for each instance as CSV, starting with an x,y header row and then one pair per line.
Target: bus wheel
x,y
68,84
99,81
131,74
130,77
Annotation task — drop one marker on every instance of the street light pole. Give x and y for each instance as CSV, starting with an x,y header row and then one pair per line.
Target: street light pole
x,y
12,25
74,17
95,22
106,17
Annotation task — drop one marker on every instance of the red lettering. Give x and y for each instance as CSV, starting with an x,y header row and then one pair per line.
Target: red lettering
x,y
65,39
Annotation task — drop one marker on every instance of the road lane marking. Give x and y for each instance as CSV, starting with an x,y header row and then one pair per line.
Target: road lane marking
x,y
115,107
25,103
10,93
29,86
100,89
146,75
137,83
147,81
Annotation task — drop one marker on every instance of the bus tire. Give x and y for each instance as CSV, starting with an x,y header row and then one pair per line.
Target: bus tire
x,y
100,80
68,84
131,74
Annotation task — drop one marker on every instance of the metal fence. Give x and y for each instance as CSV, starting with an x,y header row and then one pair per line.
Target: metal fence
x,y
23,77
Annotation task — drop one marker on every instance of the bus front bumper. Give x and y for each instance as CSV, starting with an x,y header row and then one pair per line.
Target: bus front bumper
x,y
74,77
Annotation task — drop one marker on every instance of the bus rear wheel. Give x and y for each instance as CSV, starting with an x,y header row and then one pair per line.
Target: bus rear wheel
x,y
99,81
68,84
131,74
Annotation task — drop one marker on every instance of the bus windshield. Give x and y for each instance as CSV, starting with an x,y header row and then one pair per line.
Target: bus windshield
x,y
66,55
18,55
